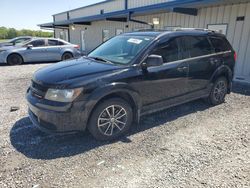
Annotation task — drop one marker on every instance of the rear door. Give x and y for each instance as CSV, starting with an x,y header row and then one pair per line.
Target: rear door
x,y
54,50
201,60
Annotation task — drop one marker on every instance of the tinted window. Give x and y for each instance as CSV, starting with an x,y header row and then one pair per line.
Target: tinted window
x,y
52,42
37,43
60,43
220,45
197,46
169,51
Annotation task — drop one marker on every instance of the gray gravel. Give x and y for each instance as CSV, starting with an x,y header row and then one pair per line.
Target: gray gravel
x,y
192,145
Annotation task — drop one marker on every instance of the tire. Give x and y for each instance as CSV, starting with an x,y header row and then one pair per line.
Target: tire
x,y
218,92
14,59
103,126
67,56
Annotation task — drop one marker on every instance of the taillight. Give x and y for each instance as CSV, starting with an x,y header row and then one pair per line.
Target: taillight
x,y
77,46
235,56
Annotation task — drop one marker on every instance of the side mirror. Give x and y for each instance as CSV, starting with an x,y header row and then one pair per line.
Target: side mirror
x,y
30,46
154,61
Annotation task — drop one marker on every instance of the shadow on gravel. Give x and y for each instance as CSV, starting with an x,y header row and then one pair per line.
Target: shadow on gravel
x,y
35,144
241,88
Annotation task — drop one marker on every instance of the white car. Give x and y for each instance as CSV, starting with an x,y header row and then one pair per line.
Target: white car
x,y
39,50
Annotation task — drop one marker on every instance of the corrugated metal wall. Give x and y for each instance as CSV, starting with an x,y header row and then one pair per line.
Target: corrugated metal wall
x,y
95,10
140,3
238,31
61,17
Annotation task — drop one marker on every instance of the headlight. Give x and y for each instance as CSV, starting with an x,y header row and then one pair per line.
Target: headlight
x,y
2,51
63,95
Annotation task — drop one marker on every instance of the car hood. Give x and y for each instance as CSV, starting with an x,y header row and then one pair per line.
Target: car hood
x,y
9,47
62,72
5,44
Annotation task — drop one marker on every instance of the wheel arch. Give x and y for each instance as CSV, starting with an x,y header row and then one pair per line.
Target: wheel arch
x,y
14,53
130,96
226,72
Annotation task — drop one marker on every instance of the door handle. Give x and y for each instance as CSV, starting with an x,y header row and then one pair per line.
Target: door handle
x,y
182,69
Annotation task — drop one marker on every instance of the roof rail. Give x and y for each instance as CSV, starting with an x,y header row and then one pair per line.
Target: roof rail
x,y
196,29
156,30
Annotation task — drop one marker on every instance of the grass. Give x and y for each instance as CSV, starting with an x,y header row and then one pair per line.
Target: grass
x,y
2,40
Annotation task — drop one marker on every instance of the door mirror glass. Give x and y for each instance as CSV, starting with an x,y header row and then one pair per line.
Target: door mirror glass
x,y
29,46
154,61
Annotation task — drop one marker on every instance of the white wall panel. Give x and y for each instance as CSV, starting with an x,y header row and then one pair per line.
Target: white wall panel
x,y
61,17
110,6
140,3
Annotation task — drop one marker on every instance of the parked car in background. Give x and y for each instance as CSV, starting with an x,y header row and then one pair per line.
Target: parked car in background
x,y
15,41
128,76
39,50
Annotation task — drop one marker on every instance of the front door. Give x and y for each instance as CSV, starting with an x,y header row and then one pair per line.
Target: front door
x,y
167,81
38,51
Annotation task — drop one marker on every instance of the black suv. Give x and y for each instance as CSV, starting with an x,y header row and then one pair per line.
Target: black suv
x,y
129,76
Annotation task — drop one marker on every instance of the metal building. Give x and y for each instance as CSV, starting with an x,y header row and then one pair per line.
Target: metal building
x,y
91,25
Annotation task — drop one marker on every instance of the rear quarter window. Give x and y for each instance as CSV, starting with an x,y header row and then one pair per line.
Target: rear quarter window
x,y
220,44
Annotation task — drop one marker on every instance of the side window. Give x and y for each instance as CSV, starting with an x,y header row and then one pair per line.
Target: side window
x,y
197,46
52,42
169,51
220,45
38,43
60,43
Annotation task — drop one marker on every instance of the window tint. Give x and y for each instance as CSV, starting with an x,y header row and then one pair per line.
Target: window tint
x,y
37,43
60,43
169,51
52,42
197,46
220,45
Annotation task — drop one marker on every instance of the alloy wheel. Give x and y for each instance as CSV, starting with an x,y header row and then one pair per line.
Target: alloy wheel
x,y
112,120
220,90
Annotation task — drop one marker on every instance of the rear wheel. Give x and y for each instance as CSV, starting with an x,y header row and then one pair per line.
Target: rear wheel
x,y
67,56
14,59
219,91
111,119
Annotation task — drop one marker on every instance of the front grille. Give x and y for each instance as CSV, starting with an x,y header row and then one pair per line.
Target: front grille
x,y
38,90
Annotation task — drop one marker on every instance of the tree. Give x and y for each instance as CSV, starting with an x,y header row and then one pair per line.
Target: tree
x,y
8,33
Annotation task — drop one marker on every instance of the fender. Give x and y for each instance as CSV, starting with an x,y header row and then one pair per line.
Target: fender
x,y
110,89
226,71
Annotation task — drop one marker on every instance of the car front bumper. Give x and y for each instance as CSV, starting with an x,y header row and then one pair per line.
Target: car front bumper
x,y
2,57
56,118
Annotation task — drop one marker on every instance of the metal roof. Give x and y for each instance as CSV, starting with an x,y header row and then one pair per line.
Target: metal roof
x,y
167,6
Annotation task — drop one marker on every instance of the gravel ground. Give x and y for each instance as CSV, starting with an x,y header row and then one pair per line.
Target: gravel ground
x,y
192,145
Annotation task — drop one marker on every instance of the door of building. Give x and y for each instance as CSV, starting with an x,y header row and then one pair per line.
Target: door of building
x,y
83,45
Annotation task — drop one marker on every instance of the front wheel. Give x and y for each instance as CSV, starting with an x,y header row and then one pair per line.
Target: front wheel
x,y
14,59
111,119
219,91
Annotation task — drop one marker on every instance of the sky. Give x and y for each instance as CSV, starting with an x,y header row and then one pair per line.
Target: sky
x,y
27,14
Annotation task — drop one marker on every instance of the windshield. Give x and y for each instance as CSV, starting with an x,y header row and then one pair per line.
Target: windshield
x,y
17,41
23,43
121,49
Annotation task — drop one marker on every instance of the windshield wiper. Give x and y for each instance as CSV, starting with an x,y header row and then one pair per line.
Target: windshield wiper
x,y
101,59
